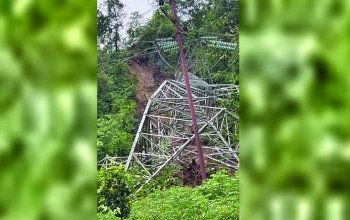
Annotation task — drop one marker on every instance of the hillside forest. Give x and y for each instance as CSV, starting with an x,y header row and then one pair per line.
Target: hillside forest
x,y
130,69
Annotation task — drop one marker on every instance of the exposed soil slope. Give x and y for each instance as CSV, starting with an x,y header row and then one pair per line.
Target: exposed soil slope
x,y
149,77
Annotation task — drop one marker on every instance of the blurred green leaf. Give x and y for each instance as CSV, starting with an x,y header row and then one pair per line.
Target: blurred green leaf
x,y
48,109
294,109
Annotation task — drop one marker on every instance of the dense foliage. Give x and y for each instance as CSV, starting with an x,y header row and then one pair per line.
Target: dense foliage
x,y
115,188
116,110
217,198
295,109
48,109
116,121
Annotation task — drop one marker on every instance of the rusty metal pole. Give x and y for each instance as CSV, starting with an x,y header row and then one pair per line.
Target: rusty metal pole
x,y
189,93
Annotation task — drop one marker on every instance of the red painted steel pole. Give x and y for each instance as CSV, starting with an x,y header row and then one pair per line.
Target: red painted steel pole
x,y
189,93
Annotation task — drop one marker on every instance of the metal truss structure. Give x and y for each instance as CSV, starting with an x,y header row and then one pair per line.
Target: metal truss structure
x,y
165,133
165,136
112,161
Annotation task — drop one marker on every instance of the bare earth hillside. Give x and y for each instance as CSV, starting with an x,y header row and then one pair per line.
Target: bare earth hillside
x,y
149,79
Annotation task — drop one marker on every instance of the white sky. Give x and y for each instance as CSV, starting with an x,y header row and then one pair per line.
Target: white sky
x,y
140,6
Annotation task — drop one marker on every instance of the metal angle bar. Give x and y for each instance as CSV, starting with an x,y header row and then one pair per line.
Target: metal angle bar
x,y
137,134
222,123
223,85
139,162
227,130
164,94
174,105
200,101
141,124
172,128
165,136
178,85
200,106
160,109
176,119
184,90
161,56
219,134
103,160
174,91
209,133
173,108
178,90
159,89
181,85
221,154
186,114
233,115
183,134
184,99
153,155
179,151
183,104
158,147
109,157
218,148
163,109
187,151
229,165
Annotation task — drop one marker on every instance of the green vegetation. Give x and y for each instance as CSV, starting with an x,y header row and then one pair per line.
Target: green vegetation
x,y
116,114
163,197
48,109
217,198
115,188
295,109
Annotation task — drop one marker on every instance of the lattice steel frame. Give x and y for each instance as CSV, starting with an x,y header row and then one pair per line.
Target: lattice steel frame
x,y
165,133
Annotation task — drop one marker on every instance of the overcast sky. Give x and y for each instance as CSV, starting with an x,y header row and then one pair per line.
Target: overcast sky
x,y
144,7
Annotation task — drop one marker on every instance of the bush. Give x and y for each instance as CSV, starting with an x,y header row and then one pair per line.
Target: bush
x,y
217,198
162,182
107,215
115,188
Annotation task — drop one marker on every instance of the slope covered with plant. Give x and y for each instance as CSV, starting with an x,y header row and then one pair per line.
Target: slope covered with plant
x,y
217,198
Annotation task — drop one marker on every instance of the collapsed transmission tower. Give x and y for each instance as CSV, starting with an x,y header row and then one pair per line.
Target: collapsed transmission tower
x,y
183,120
165,135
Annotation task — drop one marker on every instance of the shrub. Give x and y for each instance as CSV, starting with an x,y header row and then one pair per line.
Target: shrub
x,y
115,188
217,198
107,215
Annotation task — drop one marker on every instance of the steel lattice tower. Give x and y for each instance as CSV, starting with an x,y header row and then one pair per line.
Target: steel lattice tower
x,y
165,136
165,133
183,119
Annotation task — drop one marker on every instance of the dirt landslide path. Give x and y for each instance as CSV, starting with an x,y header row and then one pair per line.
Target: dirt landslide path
x,y
150,78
